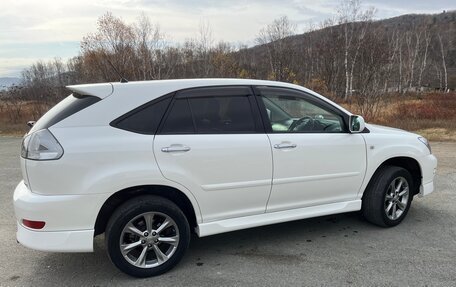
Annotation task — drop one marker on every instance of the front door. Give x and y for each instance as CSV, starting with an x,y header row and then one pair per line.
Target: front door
x,y
316,160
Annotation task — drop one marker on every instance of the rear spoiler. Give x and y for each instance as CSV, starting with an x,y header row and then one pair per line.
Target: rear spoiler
x,y
98,90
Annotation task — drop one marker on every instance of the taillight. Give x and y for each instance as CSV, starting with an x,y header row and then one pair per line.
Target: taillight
x,y
41,145
33,224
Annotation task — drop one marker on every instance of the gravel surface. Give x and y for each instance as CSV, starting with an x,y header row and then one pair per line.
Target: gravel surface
x,y
339,250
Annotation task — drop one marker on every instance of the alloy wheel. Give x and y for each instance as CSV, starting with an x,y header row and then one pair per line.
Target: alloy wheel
x,y
396,198
149,240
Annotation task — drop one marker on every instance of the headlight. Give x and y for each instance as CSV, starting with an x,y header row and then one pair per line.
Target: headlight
x,y
41,145
425,141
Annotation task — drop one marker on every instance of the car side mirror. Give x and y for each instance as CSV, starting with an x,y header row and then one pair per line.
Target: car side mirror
x,y
356,124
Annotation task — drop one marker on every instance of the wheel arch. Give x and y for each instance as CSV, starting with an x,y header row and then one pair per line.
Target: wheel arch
x,y
406,162
168,192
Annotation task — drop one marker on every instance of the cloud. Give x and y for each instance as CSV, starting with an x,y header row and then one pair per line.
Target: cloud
x,y
391,8
70,20
38,25
12,67
14,57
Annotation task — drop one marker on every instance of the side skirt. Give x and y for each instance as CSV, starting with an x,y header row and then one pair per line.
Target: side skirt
x,y
226,225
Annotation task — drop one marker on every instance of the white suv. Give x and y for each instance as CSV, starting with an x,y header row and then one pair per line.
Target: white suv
x,y
148,163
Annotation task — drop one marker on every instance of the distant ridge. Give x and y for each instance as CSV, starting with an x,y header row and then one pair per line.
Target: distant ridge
x,y
6,82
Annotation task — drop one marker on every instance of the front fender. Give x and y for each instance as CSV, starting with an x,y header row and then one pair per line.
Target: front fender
x,y
380,148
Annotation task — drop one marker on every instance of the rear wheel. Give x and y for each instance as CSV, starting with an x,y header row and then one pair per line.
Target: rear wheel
x,y
147,236
388,196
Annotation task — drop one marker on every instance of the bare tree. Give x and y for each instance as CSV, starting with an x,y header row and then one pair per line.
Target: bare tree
x,y
427,41
399,88
149,47
276,39
14,103
110,48
204,43
392,51
412,49
223,61
355,23
445,73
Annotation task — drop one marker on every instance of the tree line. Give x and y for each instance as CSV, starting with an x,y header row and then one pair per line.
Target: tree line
x,y
348,57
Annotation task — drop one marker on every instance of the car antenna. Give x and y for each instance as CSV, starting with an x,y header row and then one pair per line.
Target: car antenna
x,y
122,79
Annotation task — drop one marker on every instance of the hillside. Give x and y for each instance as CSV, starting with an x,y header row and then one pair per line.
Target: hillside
x,y
396,45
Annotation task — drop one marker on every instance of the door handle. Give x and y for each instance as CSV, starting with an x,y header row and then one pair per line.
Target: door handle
x,y
284,145
173,148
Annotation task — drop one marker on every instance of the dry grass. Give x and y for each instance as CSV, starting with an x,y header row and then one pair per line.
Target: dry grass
x,y
13,129
432,115
438,134
15,123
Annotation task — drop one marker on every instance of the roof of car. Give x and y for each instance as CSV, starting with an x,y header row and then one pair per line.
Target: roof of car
x,y
103,90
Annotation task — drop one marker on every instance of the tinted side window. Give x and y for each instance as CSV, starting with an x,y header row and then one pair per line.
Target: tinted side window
x,y
222,114
146,119
179,120
288,112
67,107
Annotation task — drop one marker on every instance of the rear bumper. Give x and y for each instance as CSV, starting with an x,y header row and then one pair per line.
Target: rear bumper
x,y
70,220
57,241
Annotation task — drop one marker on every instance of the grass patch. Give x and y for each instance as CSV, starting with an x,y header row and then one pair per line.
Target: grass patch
x,y
438,134
431,115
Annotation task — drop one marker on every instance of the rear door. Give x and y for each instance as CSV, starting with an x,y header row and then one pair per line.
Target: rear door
x,y
212,142
316,160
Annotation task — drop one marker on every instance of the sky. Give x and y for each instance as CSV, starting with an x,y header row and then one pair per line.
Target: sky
x,y
32,30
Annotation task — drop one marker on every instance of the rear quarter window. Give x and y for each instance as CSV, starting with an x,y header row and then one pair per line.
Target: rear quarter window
x,y
144,119
67,107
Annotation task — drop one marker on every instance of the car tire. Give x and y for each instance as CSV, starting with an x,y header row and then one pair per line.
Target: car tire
x,y
147,236
388,196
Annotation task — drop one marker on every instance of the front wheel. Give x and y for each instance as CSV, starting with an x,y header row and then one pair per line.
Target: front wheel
x,y
388,196
147,236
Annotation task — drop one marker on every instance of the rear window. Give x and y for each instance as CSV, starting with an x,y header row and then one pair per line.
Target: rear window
x,y
210,115
226,114
67,107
